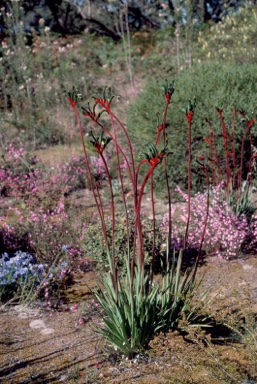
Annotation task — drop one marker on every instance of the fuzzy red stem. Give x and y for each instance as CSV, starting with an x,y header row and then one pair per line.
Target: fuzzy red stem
x,y
249,125
216,156
188,181
154,226
168,99
225,136
205,220
119,147
99,205
212,152
129,145
157,137
102,214
138,215
112,198
250,169
107,106
234,148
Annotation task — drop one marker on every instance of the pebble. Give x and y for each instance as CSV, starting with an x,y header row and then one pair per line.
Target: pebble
x,y
47,331
37,324
247,267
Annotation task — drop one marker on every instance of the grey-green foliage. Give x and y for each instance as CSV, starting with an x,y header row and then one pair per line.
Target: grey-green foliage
x,y
96,247
141,308
242,201
213,85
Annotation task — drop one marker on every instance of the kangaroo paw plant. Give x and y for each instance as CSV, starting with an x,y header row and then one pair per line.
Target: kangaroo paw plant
x,y
135,307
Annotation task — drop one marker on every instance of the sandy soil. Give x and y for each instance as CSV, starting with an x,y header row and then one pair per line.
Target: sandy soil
x,y
38,346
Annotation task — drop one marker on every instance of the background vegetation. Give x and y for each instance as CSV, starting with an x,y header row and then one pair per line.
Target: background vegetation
x,y
214,86
40,60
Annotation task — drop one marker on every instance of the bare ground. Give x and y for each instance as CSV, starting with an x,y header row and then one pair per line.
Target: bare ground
x,y
42,347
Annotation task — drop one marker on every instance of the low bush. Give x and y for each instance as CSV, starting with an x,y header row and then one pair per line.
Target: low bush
x,y
34,217
35,221
227,235
96,249
28,181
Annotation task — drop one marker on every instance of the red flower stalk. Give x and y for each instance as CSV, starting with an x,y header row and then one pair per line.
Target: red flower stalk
x,y
112,136
114,263
214,158
168,92
72,102
154,225
248,127
153,159
168,89
138,215
168,97
234,145
106,100
72,98
91,115
208,141
104,103
100,143
189,116
160,129
206,217
189,109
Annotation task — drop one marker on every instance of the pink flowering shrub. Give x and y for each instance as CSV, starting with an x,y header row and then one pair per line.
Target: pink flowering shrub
x,y
27,180
9,241
226,234
33,215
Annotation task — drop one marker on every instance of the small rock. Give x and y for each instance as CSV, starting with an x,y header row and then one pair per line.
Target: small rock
x,y
24,311
23,315
247,267
35,324
47,331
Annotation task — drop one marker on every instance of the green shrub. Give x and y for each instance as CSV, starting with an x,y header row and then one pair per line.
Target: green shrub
x,y
213,85
96,247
